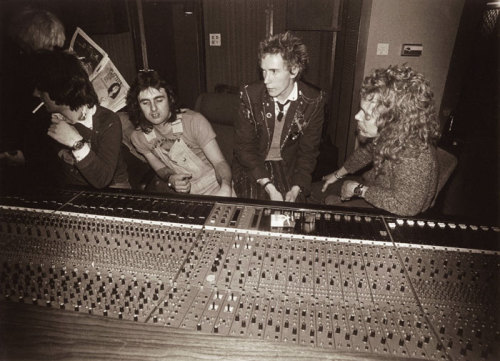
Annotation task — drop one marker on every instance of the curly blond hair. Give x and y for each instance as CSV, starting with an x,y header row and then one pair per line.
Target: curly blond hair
x,y
405,110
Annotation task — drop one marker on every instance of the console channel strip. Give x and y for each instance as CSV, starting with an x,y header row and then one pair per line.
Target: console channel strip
x,y
336,280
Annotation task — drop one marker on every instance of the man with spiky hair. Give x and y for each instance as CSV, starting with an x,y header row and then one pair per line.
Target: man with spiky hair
x,y
278,129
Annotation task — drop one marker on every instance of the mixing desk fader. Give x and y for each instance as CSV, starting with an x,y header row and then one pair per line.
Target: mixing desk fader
x,y
336,280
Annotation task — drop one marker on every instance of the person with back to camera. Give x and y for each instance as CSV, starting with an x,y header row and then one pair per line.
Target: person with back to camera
x,y
88,135
398,130
180,146
29,30
278,130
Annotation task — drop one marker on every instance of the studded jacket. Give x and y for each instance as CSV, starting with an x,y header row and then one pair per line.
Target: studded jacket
x,y
300,137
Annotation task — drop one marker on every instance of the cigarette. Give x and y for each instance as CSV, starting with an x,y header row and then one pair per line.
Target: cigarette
x,y
37,108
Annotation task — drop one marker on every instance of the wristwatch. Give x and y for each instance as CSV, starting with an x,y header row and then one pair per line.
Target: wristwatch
x,y
78,144
358,191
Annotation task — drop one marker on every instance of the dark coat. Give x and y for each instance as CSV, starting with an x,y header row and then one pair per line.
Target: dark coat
x,y
104,165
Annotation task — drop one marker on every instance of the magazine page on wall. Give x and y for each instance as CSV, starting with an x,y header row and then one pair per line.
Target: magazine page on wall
x,y
109,84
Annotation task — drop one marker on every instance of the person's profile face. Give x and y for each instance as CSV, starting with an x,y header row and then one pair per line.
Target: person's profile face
x,y
367,118
154,105
278,78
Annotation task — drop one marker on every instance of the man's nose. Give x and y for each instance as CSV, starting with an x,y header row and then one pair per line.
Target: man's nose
x,y
267,78
153,106
358,116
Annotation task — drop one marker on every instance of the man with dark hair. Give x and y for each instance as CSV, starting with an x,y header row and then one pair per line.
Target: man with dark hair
x,y
278,130
180,146
88,135
398,130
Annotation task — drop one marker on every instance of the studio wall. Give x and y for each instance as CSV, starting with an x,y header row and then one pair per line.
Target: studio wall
x,y
432,23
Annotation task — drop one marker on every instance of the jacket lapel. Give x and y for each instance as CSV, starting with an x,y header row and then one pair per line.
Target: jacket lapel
x,y
288,120
269,117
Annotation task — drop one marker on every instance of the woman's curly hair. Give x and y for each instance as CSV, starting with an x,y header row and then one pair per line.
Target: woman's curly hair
x,y
405,109
148,79
291,48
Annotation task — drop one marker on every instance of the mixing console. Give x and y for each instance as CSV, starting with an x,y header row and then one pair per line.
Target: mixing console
x,y
337,280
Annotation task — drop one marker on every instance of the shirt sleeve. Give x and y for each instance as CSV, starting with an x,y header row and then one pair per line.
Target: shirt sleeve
x,y
246,142
308,150
81,153
410,184
360,158
139,142
198,128
99,166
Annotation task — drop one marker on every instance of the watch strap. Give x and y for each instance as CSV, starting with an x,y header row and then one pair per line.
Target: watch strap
x,y
78,144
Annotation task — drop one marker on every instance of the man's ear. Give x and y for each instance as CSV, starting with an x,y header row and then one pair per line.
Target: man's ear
x,y
294,71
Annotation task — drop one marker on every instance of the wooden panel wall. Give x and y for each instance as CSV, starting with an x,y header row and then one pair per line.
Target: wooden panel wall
x,y
188,37
121,51
345,91
242,24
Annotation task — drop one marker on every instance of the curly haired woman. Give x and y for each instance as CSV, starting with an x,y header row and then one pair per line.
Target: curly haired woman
x,y
398,131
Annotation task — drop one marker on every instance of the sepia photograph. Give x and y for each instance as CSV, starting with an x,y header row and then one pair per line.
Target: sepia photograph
x,y
249,180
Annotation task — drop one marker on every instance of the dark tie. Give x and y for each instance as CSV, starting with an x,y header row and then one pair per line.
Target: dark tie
x,y
281,106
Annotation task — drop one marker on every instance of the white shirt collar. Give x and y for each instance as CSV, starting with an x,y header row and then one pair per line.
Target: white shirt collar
x,y
294,94
88,120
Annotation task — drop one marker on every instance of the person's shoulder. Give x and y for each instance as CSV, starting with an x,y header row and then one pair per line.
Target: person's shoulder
x,y
136,133
420,153
104,119
190,116
194,122
102,111
137,136
105,115
259,84
254,88
310,91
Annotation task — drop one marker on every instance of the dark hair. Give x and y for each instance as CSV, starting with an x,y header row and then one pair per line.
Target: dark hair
x,y
405,109
62,76
34,29
148,79
110,88
291,48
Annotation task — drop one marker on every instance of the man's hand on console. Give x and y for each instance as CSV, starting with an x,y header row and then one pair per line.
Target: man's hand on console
x,y
181,182
274,194
292,194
